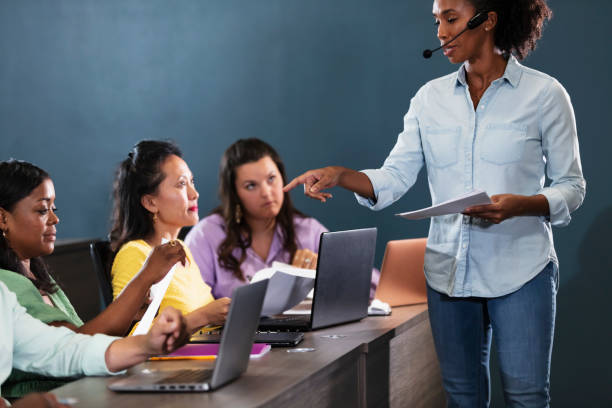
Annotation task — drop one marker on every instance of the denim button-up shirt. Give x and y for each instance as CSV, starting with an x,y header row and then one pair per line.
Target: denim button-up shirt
x,y
522,131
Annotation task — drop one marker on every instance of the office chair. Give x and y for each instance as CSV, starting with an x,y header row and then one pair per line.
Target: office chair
x,y
102,259
71,266
183,232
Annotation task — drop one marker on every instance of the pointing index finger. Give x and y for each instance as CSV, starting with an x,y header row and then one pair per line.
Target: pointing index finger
x,y
293,183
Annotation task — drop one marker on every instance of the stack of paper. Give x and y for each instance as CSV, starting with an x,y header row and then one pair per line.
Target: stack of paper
x,y
454,206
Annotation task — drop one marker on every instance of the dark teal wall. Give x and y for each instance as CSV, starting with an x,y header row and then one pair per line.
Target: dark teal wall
x,y
326,82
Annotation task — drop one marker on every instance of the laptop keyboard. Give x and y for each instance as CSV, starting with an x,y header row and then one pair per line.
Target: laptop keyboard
x,y
187,376
289,319
297,318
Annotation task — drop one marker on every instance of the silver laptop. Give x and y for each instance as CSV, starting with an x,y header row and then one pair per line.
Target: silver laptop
x,y
233,357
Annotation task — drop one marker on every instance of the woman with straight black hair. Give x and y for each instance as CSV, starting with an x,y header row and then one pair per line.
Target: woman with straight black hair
x,y
497,126
154,197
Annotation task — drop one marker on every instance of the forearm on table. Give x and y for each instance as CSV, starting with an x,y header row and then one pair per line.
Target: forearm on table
x,y
196,320
126,352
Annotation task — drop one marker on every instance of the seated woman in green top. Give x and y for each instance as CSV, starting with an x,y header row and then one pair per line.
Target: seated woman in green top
x,y
27,232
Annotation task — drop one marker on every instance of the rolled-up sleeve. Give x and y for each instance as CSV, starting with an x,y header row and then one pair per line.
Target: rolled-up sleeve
x,y
401,168
560,145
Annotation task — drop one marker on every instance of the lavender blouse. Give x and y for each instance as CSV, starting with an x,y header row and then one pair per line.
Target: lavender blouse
x,y
204,239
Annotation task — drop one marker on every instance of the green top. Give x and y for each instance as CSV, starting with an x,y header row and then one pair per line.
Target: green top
x,y
19,382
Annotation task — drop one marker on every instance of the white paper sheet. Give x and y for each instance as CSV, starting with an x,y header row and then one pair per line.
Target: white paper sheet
x,y
287,287
158,291
454,206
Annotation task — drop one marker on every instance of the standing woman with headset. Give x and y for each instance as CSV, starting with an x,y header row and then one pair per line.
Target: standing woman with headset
x,y
501,127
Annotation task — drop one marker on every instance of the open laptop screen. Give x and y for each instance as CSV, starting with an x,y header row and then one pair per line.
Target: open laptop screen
x,y
344,272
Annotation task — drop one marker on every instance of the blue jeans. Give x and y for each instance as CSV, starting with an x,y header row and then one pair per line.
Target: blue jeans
x,y
523,324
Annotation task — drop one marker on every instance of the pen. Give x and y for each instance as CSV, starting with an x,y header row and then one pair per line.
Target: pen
x,y
161,358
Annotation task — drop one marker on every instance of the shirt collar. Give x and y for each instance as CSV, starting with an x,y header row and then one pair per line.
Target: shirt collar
x,y
275,247
512,74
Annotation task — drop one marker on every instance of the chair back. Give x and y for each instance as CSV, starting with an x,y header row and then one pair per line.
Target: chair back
x,y
70,264
102,259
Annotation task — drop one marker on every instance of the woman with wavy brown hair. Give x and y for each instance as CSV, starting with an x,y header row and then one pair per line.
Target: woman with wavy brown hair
x,y
497,126
256,223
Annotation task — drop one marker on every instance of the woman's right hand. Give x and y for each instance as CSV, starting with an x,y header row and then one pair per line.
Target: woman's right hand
x,y
162,259
213,313
216,311
316,180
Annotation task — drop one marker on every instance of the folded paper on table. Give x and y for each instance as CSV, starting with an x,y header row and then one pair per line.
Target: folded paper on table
x,y
379,308
454,206
207,352
287,287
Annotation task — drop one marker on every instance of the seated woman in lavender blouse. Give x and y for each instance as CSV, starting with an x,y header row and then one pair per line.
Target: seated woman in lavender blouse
x,y
256,223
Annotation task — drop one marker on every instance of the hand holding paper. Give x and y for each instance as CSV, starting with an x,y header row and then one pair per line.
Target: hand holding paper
x,y
504,206
454,206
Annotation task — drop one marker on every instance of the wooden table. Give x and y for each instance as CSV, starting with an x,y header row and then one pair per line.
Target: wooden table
x,y
377,362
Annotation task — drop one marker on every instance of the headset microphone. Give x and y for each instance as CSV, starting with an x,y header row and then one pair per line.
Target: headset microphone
x,y
474,22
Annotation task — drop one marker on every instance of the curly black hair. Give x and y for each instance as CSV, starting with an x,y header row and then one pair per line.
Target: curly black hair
x,y
519,23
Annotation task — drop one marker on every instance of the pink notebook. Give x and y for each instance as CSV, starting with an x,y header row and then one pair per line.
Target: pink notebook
x,y
207,352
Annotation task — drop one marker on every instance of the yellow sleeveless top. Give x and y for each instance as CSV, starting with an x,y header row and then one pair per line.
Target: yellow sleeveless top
x,y
187,290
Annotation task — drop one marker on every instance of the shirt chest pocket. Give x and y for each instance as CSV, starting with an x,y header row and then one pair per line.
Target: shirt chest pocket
x,y
441,146
503,143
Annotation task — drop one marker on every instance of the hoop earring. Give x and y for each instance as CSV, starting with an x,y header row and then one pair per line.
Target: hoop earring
x,y
154,218
238,214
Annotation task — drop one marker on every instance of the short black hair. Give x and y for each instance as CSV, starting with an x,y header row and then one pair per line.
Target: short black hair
x,y
519,23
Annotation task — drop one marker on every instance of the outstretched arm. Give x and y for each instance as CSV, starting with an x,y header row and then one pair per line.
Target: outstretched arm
x,y
315,181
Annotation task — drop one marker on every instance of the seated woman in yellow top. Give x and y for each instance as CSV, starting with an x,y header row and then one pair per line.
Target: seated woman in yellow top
x,y
154,198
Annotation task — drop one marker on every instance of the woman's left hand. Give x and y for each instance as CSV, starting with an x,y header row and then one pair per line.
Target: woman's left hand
x,y
305,258
503,206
